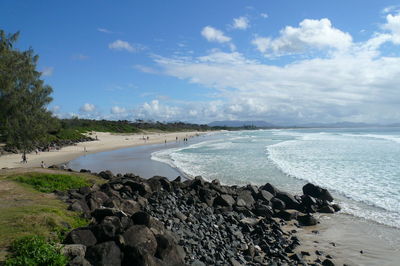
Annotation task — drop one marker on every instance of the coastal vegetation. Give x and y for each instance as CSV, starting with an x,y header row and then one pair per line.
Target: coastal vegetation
x,y
28,213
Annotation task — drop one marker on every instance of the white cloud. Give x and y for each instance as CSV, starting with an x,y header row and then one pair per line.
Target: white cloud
x,y
158,111
354,86
104,30
47,71
118,110
391,9
87,108
241,23
393,26
121,45
214,35
264,15
311,34
145,69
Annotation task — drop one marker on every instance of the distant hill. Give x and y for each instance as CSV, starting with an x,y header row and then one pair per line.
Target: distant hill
x,y
237,123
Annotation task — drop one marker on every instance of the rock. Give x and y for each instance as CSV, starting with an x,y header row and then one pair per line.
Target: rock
x,y
168,251
197,182
98,197
307,220
141,218
287,215
317,192
159,182
130,207
247,197
142,188
264,195
79,261
81,236
263,210
100,213
234,262
74,250
79,206
197,263
84,171
224,200
104,254
180,216
326,209
109,227
270,188
139,240
288,199
106,175
328,262
278,204
336,207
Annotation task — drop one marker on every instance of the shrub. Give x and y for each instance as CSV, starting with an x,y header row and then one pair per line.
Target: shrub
x,y
34,250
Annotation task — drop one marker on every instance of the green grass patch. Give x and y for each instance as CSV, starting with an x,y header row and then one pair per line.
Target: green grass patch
x,y
50,182
35,250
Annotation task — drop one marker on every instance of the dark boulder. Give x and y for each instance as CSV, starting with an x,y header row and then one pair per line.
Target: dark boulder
x,y
278,204
270,188
81,236
336,207
246,196
326,209
168,251
109,227
141,218
317,192
287,215
139,240
142,188
106,174
100,213
224,201
104,254
288,199
265,195
307,220
158,183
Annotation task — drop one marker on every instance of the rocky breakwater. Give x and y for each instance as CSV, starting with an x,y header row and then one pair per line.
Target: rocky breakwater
x,y
155,221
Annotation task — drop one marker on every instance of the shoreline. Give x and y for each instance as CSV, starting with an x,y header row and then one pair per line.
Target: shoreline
x,y
105,142
350,234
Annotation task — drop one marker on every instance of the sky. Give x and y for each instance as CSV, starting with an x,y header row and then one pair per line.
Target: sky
x,y
284,62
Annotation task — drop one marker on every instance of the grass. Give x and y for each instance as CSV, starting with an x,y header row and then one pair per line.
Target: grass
x,y
51,182
35,250
25,210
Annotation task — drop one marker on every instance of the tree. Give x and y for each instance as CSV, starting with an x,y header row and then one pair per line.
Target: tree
x,y
24,118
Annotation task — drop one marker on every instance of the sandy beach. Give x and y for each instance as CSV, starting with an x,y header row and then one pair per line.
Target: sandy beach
x,y
104,142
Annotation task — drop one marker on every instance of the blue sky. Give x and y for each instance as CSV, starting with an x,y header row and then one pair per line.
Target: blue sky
x,y
283,62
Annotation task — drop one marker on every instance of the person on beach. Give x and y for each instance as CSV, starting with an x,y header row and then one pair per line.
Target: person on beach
x,y
165,141
84,149
24,159
42,164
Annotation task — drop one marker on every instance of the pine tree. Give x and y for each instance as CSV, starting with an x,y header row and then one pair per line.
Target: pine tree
x,y
23,96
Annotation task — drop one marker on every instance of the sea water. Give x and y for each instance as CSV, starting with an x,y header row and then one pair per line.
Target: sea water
x,y
361,167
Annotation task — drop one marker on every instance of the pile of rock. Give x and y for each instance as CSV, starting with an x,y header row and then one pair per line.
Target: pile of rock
x,y
155,221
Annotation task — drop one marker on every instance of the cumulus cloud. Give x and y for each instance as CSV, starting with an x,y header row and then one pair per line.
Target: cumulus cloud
x,y
118,110
87,108
47,71
311,34
354,86
120,45
393,26
214,35
240,23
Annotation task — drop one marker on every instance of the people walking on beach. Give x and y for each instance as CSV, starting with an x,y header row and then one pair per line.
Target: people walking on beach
x,y
176,139
42,164
24,159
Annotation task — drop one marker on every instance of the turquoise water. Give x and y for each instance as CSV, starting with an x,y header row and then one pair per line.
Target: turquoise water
x,y
359,166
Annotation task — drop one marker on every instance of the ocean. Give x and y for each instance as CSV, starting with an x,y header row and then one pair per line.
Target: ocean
x,y
360,167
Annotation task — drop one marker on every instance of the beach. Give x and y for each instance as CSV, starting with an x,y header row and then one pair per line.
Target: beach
x,y
347,239
105,142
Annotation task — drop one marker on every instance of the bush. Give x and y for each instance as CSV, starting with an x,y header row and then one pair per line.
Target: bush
x,y
50,182
34,250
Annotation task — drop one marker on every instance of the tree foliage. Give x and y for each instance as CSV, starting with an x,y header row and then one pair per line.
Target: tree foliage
x,y
24,119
